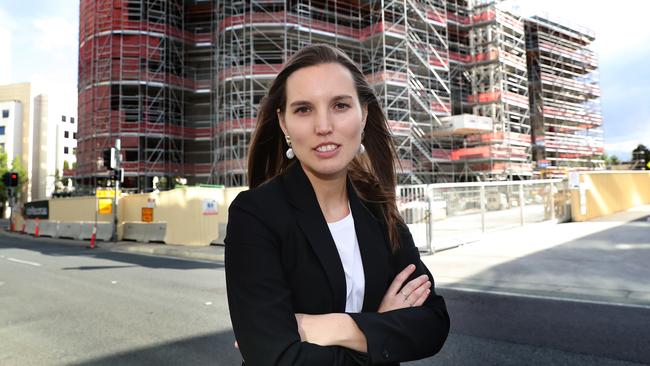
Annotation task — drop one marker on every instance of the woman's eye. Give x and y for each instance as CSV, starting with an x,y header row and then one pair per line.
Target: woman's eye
x,y
301,110
341,106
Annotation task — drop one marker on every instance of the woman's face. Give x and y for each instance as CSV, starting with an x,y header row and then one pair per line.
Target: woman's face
x,y
324,118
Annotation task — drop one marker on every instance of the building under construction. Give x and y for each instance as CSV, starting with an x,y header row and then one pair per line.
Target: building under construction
x,y
179,83
564,97
146,77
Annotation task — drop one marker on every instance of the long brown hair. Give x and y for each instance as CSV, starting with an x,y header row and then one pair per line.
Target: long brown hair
x,y
372,174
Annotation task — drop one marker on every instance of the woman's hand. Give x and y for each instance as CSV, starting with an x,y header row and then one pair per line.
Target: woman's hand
x,y
333,329
412,294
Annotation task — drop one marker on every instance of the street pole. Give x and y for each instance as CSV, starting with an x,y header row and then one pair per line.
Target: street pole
x,y
118,165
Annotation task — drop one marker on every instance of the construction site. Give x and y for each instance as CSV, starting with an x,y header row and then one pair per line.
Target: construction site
x,y
473,92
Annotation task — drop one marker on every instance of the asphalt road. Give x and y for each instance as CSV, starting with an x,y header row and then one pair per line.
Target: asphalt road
x,y
65,305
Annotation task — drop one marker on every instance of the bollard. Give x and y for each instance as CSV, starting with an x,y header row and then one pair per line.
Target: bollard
x,y
24,226
36,231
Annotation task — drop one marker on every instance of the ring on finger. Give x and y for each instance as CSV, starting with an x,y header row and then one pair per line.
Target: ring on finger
x,y
405,296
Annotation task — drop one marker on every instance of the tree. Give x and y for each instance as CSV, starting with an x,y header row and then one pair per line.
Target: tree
x,y
3,190
17,166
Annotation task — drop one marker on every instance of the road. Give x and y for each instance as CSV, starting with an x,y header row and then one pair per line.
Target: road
x,y
66,305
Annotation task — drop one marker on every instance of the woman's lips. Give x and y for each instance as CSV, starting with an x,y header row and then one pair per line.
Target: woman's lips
x,y
328,154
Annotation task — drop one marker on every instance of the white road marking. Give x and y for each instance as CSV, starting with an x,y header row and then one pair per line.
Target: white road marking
x,y
209,303
541,297
24,262
113,282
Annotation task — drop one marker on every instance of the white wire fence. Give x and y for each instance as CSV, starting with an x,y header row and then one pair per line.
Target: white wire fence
x,y
445,215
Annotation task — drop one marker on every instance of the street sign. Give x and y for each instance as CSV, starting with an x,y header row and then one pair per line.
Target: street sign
x,y
147,214
105,206
105,193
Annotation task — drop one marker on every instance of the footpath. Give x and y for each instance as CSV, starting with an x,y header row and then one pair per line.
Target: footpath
x,y
602,260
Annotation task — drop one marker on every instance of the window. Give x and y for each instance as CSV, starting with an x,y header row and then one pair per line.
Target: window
x,y
62,118
71,119
2,147
74,135
2,130
5,113
66,134
74,151
65,150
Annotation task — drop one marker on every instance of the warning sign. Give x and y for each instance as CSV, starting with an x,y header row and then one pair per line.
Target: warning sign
x,y
105,193
210,207
147,214
105,206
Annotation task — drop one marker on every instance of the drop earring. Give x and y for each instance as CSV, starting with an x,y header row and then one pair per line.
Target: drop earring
x,y
290,154
362,148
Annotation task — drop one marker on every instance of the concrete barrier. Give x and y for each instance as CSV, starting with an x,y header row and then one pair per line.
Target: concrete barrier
x,y
222,233
49,228
69,230
104,231
145,232
30,227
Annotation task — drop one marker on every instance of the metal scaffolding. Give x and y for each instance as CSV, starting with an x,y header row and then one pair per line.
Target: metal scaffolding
x,y
565,96
401,46
179,82
145,71
488,78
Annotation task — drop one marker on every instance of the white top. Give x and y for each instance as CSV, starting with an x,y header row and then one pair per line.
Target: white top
x,y
347,245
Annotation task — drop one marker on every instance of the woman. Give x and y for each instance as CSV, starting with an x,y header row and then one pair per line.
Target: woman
x,y
320,267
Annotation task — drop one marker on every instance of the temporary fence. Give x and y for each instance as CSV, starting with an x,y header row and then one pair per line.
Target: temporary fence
x,y
445,215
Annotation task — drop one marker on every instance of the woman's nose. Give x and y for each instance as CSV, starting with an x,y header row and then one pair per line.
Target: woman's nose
x,y
323,123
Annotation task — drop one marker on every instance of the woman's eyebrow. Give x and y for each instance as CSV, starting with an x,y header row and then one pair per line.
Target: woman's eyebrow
x,y
334,99
299,102
340,97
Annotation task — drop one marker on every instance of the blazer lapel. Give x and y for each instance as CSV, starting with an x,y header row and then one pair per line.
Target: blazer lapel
x,y
312,222
372,242
373,247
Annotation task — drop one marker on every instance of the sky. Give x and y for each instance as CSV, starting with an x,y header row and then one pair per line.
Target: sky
x,y
39,44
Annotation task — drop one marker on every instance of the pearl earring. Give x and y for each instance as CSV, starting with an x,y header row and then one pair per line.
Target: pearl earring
x,y
362,148
289,153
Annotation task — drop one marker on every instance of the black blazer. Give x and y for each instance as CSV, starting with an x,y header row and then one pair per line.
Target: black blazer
x,y
281,259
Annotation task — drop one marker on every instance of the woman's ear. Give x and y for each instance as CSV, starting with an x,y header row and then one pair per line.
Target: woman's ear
x,y
283,126
364,116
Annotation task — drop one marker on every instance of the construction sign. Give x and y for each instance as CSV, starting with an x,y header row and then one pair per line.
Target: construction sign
x,y
105,193
105,206
147,214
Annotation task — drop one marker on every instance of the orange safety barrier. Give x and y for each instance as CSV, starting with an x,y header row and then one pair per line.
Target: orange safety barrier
x,y
399,127
486,56
386,76
459,57
246,70
484,16
229,125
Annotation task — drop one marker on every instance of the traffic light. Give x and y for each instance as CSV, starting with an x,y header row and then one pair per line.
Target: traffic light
x,y
10,179
118,174
109,158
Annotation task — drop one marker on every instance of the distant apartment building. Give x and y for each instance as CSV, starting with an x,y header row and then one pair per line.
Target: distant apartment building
x,y
11,129
34,131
